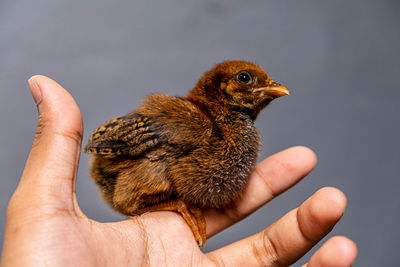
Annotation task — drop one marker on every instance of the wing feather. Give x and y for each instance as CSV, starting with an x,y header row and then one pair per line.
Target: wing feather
x,y
128,135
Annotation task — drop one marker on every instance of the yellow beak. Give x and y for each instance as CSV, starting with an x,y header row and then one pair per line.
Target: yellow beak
x,y
274,89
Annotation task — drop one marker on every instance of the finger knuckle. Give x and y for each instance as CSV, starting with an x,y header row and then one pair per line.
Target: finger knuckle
x,y
234,214
265,250
74,135
42,125
265,178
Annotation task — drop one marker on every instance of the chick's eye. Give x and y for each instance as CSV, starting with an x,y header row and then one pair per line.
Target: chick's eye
x,y
244,77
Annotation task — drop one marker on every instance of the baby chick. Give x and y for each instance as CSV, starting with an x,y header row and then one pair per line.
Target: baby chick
x,y
185,154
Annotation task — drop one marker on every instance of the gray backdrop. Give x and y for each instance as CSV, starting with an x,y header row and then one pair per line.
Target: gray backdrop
x,y
340,59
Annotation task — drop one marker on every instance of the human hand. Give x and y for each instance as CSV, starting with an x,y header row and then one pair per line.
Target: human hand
x,y
45,225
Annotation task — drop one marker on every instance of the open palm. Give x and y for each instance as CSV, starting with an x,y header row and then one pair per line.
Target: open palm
x,y
46,227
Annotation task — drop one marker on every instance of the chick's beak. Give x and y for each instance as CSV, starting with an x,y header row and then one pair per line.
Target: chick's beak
x,y
274,89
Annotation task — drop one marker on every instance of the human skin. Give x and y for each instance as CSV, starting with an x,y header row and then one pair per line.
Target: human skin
x,y
45,226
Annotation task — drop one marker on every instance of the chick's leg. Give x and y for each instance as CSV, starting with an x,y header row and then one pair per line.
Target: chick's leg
x,y
201,225
193,217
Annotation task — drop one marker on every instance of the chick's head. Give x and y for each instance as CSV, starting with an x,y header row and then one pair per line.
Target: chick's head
x,y
241,85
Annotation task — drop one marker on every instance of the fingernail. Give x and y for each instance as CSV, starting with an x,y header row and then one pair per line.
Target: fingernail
x,y
35,90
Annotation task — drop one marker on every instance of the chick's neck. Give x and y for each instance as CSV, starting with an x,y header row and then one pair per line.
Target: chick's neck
x,y
225,117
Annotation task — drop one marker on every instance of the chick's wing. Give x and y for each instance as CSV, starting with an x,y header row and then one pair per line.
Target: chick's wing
x,y
131,135
161,120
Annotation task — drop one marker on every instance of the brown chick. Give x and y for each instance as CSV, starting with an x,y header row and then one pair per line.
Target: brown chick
x,y
184,154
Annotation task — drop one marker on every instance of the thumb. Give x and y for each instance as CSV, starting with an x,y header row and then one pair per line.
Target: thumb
x,y
49,176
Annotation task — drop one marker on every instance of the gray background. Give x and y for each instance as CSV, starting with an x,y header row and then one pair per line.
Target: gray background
x,y
340,59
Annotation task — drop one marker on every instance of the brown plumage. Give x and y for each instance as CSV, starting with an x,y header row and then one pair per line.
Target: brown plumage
x,y
185,153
